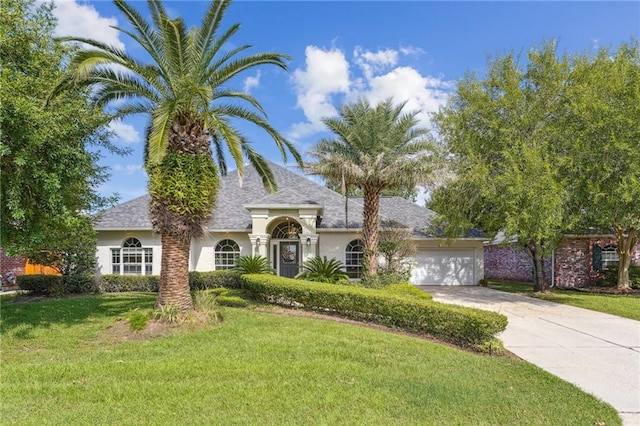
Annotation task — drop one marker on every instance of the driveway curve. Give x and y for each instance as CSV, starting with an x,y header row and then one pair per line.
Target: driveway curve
x,y
600,353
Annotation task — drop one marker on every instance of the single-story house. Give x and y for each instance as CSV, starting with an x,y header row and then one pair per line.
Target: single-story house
x,y
300,221
578,261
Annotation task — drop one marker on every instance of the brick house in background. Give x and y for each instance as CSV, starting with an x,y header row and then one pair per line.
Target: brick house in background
x,y
576,262
10,263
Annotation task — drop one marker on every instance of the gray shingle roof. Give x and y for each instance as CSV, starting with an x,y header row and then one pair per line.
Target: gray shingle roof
x,y
230,212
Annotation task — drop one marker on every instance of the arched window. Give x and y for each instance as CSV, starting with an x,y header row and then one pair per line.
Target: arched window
x,y
132,258
287,230
353,256
227,251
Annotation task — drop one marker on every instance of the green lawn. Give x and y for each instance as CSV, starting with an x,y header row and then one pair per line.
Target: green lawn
x,y
627,306
261,368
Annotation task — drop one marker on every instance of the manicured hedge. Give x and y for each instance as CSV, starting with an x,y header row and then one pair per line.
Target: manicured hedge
x,y
55,285
213,279
197,281
39,284
457,324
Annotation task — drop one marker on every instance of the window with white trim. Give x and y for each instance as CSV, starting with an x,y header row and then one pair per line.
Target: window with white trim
x,y
132,259
353,256
610,257
227,252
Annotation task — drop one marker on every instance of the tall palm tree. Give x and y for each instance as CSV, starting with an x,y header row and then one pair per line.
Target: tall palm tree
x,y
377,147
184,91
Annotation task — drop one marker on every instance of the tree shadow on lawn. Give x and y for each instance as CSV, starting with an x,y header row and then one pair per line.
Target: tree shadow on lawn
x,y
44,313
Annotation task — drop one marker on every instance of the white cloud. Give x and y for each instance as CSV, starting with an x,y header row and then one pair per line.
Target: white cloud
x,y
372,62
251,82
326,74
83,20
411,51
326,80
405,84
125,132
128,169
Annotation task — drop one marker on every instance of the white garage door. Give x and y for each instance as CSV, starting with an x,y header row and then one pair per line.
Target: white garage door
x,y
444,267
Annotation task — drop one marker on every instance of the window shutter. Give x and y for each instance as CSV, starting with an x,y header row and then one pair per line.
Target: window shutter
x,y
597,257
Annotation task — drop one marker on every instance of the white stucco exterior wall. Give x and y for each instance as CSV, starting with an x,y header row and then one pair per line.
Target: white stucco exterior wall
x,y
333,244
202,256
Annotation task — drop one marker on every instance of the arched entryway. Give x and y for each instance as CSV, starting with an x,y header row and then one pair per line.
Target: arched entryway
x,y
285,247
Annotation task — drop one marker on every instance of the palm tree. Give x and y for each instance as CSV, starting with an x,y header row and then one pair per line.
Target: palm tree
x,y
184,91
377,147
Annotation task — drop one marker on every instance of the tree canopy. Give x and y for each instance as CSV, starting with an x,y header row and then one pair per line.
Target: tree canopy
x,y
48,153
544,148
603,128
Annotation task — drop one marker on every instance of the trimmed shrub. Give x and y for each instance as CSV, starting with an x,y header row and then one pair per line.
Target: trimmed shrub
x,y
78,283
406,290
385,278
197,281
55,285
611,277
39,284
213,279
123,283
457,324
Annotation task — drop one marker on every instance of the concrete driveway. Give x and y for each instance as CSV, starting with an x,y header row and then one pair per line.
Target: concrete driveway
x,y
600,353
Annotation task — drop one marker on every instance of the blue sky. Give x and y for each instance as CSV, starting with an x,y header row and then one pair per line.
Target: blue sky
x,y
341,50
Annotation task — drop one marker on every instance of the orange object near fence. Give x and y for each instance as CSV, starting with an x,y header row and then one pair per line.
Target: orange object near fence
x,y
32,269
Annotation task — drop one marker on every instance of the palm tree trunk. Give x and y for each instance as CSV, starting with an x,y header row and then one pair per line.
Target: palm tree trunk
x,y
174,274
370,235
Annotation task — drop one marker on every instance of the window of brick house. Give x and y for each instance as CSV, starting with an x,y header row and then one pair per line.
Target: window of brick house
x,y
605,257
609,257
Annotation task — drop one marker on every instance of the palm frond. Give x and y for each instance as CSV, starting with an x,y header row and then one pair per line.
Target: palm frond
x,y
262,168
223,132
229,110
213,50
174,37
158,136
147,37
221,75
210,24
234,94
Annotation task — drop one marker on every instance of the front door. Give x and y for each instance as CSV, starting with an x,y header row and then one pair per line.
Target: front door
x,y
289,258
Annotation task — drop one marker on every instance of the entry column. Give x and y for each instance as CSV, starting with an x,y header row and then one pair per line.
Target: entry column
x,y
309,243
260,245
